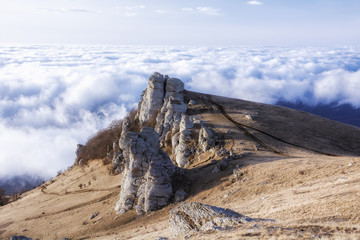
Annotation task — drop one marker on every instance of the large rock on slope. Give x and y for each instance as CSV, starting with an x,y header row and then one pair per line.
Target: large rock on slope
x,y
146,184
193,216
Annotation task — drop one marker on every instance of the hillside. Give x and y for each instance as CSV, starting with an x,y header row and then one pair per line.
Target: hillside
x,y
295,168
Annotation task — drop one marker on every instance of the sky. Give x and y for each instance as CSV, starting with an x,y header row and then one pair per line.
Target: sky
x,y
194,23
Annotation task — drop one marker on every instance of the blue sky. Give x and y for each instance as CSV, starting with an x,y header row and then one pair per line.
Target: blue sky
x,y
159,22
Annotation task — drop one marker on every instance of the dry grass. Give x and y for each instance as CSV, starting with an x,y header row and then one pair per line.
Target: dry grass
x,y
100,144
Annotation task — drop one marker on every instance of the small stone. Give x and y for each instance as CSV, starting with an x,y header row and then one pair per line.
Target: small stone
x,y
191,102
94,215
221,152
20,238
227,195
82,162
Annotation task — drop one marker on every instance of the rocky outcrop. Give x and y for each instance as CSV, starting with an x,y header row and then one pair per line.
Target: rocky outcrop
x,y
152,99
163,106
79,150
206,138
193,216
118,161
181,140
146,183
169,118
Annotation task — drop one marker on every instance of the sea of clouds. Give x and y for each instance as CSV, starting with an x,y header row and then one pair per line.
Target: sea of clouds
x,y
53,97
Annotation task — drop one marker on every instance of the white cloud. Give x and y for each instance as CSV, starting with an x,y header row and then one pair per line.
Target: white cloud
x,y
209,11
134,7
255,3
57,96
204,10
66,10
131,14
161,11
187,9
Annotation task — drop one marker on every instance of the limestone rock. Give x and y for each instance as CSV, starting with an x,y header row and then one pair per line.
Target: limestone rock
x,y
146,184
79,150
191,102
193,216
206,138
118,162
169,118
180,140
153,98
221,165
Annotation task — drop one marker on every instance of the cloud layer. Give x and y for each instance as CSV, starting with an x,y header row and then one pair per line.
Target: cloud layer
x,y
53,97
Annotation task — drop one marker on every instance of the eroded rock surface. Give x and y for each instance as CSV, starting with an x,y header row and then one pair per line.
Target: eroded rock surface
x,y
206,138
194,216
169,118
152,99
163,107
146,183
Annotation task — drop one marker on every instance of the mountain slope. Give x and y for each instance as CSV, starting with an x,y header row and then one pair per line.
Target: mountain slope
x,y
296,168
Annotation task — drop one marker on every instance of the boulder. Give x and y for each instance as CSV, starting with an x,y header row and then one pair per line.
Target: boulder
x,y
191,102
146,184
206,138
194,217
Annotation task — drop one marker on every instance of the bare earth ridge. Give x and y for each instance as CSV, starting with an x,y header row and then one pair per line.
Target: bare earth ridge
x,y
298,169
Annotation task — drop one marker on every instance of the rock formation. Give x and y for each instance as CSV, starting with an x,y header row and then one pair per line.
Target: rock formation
x,y
152,99
146,183
79,150
193,216
163,106
206,138
147,170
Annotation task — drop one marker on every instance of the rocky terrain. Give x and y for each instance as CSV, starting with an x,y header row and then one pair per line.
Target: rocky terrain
x,y
198,166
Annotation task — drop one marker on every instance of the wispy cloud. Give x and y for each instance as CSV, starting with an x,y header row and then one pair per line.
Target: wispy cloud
x,y
134,7
131,14
161,11
65,10
187,9
209,11
132,11
255,3
204,10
